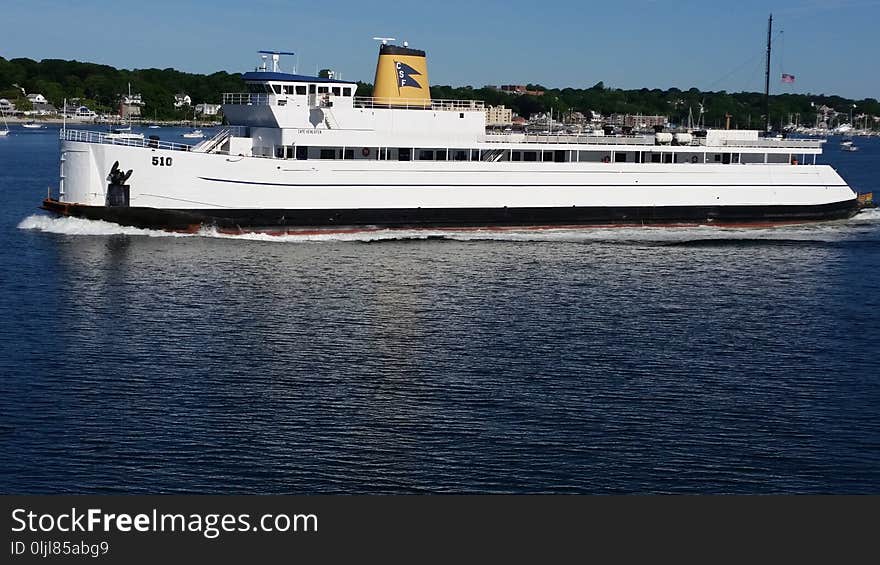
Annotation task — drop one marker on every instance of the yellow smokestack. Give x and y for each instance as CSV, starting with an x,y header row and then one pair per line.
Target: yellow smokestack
x,y
401,77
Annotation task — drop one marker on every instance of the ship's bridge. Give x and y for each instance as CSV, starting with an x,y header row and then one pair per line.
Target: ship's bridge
x,y
280,89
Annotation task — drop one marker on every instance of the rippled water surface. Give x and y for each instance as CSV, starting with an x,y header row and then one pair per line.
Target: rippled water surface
x,y
696,360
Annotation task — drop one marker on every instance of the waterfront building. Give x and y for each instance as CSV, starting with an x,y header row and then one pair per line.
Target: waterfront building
x,y
208,109
499,116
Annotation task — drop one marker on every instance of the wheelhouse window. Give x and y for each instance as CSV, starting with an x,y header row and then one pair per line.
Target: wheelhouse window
x,y
337,91
346,91
276,88
620,157
300,89
311,89
323,90
328,153
404,154
288,89
426,155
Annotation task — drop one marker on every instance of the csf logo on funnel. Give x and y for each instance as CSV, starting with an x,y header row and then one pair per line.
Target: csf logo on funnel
x,y
405,75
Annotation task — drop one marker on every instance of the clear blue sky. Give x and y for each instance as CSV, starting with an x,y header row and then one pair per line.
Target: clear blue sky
x,y
829,45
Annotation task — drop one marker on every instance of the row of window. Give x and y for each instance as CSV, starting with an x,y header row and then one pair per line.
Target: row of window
x,y
298,89
303,152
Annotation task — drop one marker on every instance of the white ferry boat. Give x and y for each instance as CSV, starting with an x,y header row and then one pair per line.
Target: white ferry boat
x,y
306,153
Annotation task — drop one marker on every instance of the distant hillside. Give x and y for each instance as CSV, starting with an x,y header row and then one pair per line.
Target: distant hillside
x,y
99,87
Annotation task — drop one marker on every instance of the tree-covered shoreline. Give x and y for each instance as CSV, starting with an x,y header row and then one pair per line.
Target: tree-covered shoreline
x,y
100,86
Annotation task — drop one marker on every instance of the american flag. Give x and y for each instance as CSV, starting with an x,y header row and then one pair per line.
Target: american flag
x,y
787,77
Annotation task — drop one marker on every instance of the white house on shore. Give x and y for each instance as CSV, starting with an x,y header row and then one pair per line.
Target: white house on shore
x,y
181,100
81,112
37,99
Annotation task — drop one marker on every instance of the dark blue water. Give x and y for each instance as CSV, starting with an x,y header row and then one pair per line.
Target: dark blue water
x,y
601,361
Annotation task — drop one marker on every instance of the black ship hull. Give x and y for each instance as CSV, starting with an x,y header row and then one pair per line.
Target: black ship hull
x,y
283,221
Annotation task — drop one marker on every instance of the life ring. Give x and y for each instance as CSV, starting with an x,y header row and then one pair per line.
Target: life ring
x,y
694,159
365,151
606,159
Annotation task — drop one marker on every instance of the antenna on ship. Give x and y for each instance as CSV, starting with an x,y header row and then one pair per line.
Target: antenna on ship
x,y
767,80
385,40
276,55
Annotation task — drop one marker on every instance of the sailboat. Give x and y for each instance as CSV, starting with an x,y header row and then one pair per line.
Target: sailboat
x,y
5,131
30,124
194,133
154,125
123,133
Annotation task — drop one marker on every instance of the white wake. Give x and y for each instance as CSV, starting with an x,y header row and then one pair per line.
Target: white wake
x,y
824,231
80,226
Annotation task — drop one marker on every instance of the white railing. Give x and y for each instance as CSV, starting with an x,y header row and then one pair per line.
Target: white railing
x,y
245,99
765,142
568,138
249,99
650,140
104,137
418,104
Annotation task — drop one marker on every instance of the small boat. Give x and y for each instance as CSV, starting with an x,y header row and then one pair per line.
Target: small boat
x,y
847,145
5,131
194,133
124,135
153,126
32,125
123,132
